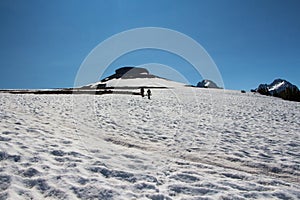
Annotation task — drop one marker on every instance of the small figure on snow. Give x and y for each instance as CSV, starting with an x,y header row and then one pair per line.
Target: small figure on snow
x,y
148,93
142,92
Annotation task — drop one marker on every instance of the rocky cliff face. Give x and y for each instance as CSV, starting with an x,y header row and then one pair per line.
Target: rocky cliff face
x,y
280,88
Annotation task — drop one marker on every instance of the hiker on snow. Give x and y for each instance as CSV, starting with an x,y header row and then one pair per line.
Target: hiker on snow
x,y
148,93
142,92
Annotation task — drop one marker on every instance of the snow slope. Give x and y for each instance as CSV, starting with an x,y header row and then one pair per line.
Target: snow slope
x,y
139,82
184,143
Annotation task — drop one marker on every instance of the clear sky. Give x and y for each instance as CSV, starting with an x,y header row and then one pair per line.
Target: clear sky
x,y
43,43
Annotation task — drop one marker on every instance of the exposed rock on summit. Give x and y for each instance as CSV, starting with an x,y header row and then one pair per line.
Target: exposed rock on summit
x,y
208,84
129,73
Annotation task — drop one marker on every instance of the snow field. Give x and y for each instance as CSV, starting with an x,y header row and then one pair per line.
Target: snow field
x,y
185,143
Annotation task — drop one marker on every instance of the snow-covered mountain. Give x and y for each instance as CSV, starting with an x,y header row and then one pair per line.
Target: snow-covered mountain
x,y
280,88
181,144
134,77
207,84
137,82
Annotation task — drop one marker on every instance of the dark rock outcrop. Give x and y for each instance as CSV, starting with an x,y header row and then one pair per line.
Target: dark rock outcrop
x,y
280,88
129,73
208,84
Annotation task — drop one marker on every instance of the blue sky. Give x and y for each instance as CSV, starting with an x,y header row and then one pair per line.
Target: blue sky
x,y
43,43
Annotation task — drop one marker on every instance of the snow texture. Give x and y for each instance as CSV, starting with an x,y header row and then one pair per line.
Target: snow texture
x,y
184,143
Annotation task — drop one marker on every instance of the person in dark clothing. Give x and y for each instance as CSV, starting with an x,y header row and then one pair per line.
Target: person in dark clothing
x,y
148,93
142,92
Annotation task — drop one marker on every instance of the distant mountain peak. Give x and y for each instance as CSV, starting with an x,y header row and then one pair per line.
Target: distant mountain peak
x,y
207,84
278,84
280,88
134,77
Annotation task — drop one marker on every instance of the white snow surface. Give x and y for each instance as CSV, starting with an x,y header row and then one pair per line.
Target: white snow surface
x,y
184,143
140,82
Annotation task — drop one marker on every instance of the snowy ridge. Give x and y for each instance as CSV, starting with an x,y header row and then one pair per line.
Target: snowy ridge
x,y
139,82
134,77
